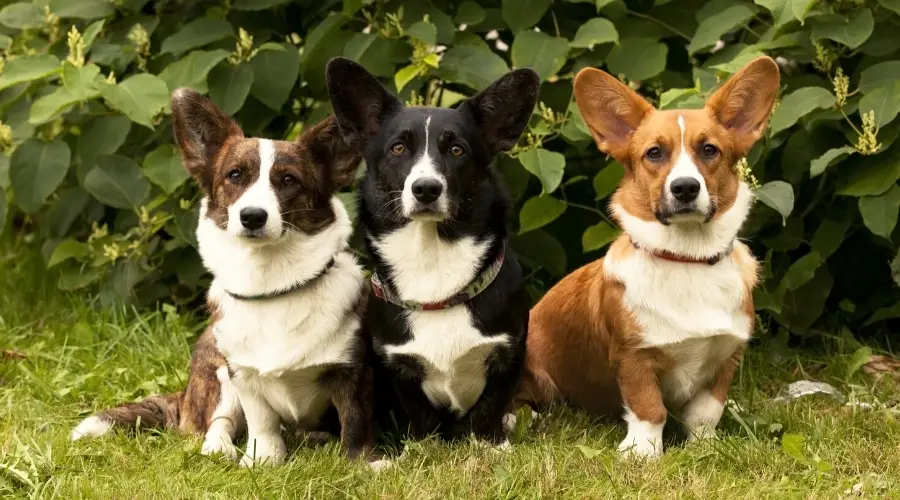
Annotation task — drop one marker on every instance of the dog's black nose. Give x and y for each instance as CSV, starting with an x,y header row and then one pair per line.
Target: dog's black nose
x,y
685,189
253,218
427,190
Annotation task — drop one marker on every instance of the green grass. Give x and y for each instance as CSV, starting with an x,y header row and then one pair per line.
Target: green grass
x,y
79,358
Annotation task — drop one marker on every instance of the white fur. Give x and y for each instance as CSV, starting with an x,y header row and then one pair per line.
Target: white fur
x,y
259,195
92,426
429,269
644,439
424,168
510,420
225,421
701,415
685,167
278,347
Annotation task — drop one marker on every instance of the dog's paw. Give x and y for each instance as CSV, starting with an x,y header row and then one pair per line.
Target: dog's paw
x,y
266,450
219,445
641,446
510,420
92,426
700,433
381,464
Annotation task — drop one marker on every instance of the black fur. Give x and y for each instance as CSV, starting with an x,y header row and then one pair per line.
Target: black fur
x,y
373,120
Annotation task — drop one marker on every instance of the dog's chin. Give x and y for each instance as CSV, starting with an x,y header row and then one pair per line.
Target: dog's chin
x,y
429,214
685,214
258,237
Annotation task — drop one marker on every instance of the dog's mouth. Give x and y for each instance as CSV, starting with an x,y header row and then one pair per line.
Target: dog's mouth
x,y
676,212
427,211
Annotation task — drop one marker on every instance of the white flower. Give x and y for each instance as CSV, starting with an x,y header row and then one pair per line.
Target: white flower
x,y
491,35
501,46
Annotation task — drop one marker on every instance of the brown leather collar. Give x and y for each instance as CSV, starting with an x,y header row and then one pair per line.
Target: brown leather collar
x,y
674,257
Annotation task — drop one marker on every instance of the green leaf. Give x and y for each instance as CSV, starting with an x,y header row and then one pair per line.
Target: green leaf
x,y
727,16
879,213
256,4
598,236
595,32
785,11
352,7
778,195
884,102
192,70
587,451
829,236
523,14
860,357
229,86
50,106
539,211
103,136
405,75
140,97
469,13
82,9
76,279
892,5
793,446
274,75
895,269
801,271
423,31
377,55
878,75
539,51
798,104
117,181
637,58
548,166
607,180
674,98
538,248
22,16
4,172
471,65
871,176
81,82
4,210
163,167
28,68
849,32
35,170
197,33
91,32
575,130
817,166
67,249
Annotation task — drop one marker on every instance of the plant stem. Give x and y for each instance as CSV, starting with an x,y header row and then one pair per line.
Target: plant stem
x,y
660,23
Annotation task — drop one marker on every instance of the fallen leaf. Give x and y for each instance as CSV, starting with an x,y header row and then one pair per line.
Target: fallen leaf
x,y
10,354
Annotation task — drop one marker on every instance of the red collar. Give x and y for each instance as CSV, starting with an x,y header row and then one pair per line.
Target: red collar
x,y
674,257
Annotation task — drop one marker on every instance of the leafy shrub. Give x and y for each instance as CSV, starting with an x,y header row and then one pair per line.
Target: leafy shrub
x,y
89,170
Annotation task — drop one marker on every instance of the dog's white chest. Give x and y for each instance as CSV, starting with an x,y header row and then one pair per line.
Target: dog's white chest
x,y
673,302
695,363
453,353
296,396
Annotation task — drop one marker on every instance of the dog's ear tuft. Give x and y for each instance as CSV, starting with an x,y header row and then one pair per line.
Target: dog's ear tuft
x,y
329,149
360,101
502,110
200,128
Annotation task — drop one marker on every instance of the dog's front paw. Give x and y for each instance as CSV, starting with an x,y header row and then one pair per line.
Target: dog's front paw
x,y
641,446
699,433
381,464
264,450
213,445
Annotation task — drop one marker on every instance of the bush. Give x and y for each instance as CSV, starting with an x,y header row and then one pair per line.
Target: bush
x,y
89,170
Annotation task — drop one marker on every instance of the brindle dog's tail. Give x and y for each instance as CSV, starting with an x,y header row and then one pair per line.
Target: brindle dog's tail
x,y
155,412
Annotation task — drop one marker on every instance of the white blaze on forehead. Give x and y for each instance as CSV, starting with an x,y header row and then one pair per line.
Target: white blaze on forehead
x,y
261,194
685,167
423,168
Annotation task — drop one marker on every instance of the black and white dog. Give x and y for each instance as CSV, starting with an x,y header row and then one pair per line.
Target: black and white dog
x,y
448,313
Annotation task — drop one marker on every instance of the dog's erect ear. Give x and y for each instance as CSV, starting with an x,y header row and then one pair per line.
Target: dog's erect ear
x,y
360,101
503,109
329,149
201,128
611,110
744,103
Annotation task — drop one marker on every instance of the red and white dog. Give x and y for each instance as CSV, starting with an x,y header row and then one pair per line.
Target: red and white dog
x,y
661,322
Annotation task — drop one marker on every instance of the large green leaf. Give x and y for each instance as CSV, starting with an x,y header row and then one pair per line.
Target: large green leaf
x,y
778,195
117,181
850,32
22,16
140,97
82,9
879,213
541,52
81,82
163,167
79,86
35,170
798,104
878,75
595,32
539,211
229,86
50,106
192,70
473,66
469,13
548,166
523,14
197,33
872,175
607,180
884,101
4,210
726,15
829,236
598,236
423,31
637,58
892,5
377,55
538,248
785,11
4,171
102,136
67,249
274,75
257,4
828,158
801,271
28,68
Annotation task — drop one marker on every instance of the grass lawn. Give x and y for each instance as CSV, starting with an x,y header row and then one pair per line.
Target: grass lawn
x,y
64,357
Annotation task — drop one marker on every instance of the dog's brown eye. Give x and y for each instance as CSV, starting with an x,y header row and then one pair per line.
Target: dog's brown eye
x,y
288,180
654,153
457,150
398,148
709,150
234,174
